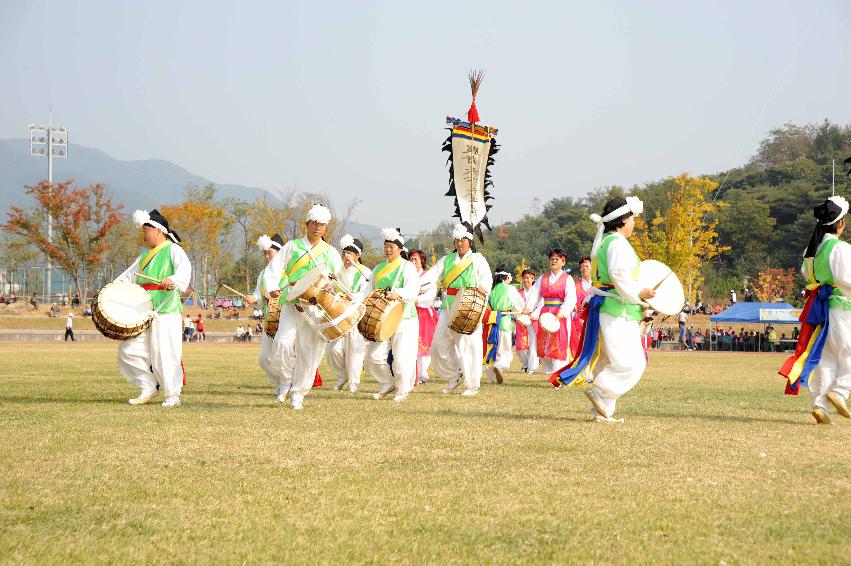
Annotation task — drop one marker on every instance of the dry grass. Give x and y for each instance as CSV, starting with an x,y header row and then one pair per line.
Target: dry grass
x,y
713,464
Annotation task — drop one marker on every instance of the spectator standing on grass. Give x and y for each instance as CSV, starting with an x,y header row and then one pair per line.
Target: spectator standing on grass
x,y
795,333
199,326
34,302
681,321
187,328
732,297
69,327
772,338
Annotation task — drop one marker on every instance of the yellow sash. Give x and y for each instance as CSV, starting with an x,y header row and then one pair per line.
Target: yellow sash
x,y
387,269
150,255
456,271
320,248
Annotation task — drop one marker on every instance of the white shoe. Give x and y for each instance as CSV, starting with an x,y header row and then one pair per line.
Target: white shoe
x,y
297,402
353,388
470,392
451,386
400,397
602,419
282,393
143,397
422,380
277,390
171,401
596,402
384,391
340,383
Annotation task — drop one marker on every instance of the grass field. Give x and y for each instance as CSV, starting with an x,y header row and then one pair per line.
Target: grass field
x,y
713,465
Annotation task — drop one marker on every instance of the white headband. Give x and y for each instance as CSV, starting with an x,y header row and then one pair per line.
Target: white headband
x,y
459,232
633,205
347,241
393,235
142,217
319,213
841,203
264,242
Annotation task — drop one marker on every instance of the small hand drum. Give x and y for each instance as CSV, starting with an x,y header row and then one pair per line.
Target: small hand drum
x,y
670,297
549,323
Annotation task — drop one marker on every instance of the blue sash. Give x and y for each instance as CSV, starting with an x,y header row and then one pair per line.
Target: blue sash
x,y
493,339
582,367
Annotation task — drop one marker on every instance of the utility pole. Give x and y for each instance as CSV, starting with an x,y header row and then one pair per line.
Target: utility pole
x,y
48,142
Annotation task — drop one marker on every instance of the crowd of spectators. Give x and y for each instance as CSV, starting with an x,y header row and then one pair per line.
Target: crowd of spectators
x,y
726,340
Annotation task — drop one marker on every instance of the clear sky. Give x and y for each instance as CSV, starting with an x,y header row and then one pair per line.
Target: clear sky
x,y
349,97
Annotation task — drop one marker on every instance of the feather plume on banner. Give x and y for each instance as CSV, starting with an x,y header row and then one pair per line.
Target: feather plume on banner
x,y
471,150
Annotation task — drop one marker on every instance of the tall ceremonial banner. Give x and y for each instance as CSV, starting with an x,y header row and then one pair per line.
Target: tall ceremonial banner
x,y
471,149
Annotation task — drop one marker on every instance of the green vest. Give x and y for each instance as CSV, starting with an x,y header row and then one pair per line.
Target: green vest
x,y
294,272
395,278
467,278
160,267
612,306
823,274
262,288
500,300
357,281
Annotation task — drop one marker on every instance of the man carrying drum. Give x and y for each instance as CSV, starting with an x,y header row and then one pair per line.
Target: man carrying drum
x,y
615,312
345,355
300,345
455,354
554,298
402,282
270,358
154,356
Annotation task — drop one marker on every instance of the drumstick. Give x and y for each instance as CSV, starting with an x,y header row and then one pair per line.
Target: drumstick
x,y
659,284
232,290
157,281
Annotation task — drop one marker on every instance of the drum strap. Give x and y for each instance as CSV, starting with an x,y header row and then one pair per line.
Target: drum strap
x,y
151,255
308,256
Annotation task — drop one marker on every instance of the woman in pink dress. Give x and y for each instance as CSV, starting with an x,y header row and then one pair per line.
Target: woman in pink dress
x,y
580,313
427,316
554,293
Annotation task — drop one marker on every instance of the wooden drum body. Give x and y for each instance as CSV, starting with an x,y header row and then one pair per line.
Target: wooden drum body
x,y
381,317
273,316
330,309
467,310
122,310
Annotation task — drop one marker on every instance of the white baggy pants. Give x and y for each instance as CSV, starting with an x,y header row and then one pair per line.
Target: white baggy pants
x,y
345,356
404,343
621,363
529,356
834,370
271,359
159,348
504,354
422,366
453,352
301,349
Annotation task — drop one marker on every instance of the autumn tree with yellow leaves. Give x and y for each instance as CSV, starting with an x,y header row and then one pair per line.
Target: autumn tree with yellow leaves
x,y
685,238
773,284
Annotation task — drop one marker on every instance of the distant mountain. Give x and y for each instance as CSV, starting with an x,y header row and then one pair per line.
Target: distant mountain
x,y
141,184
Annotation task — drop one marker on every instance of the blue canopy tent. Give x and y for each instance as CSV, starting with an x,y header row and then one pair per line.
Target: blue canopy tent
x,y
762,313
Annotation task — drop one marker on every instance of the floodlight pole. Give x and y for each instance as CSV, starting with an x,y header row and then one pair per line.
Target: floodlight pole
x,y
52,136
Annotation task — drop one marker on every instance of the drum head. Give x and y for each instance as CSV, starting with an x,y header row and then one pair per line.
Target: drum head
x,y
670,297
391,321
523,319
125,303
307,280
549,322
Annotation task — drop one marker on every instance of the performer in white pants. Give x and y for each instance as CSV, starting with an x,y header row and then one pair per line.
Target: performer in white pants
x,y
154,357
402,282
616,316
270,358
822,360
454,355
426,314
525,341
345,355
301,346
504,298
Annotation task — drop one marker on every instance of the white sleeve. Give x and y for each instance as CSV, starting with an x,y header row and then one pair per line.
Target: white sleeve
x,y
256,293
182,268
411,289
336,265
840,266
484,277
515,298
274,271
533,297
128,273
622,261
427,293
569,303
433,274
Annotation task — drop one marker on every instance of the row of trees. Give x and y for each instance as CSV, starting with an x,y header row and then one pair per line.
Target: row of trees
x,y
94,238
717,232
